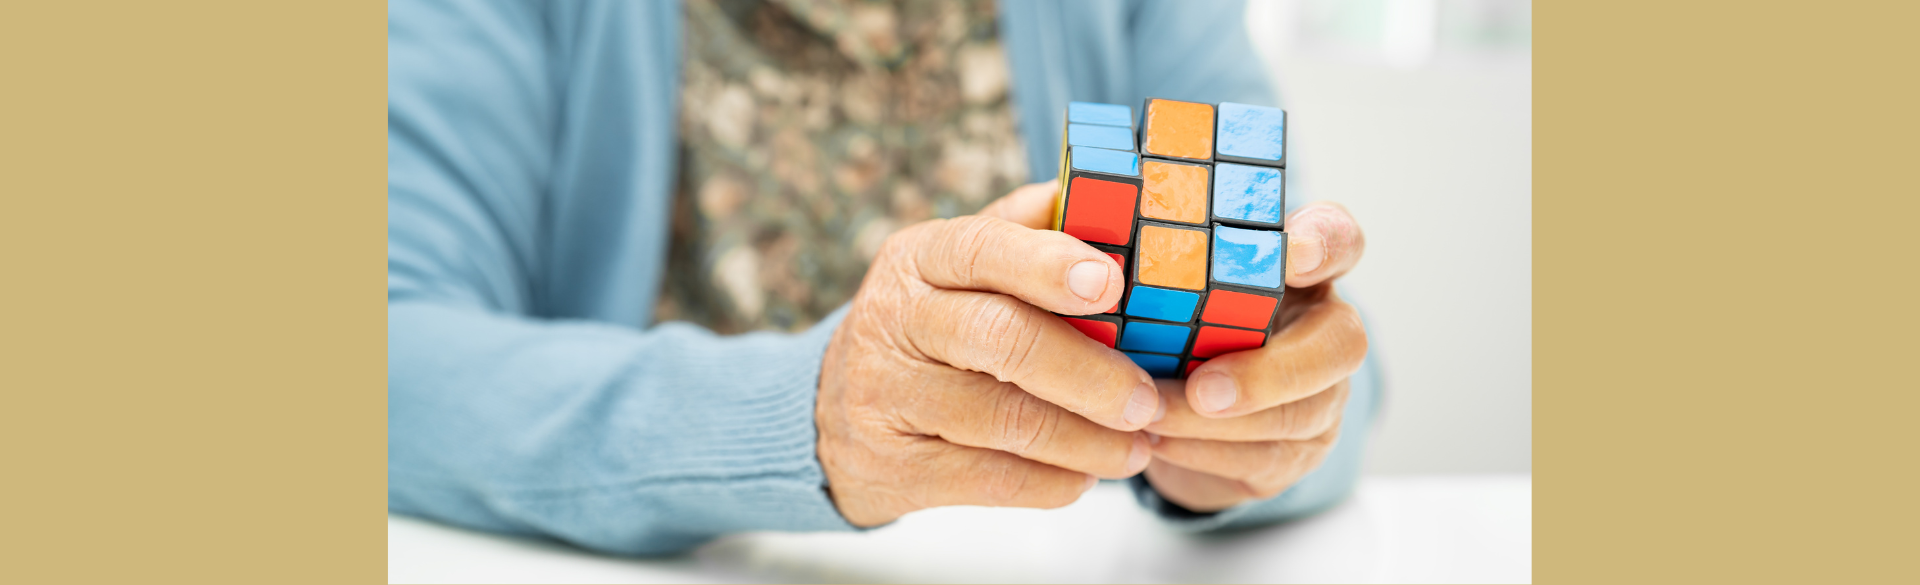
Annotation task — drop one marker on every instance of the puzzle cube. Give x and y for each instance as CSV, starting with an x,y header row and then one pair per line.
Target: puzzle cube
x,y
1191,205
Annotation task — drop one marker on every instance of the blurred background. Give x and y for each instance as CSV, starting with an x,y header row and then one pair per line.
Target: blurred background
x,y
1418,115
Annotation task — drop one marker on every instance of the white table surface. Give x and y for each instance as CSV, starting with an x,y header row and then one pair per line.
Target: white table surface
x,y
1476,528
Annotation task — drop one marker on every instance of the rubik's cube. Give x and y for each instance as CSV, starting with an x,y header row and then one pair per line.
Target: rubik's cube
x,y
1191,204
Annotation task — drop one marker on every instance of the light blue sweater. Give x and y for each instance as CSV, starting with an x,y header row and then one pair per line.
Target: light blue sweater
x,y
530,159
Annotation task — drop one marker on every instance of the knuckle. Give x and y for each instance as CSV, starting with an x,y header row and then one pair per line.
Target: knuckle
x,y
1350,335
1313,455
1328,416
1058,499
1291,420
1004,336
1309,418
1276,462
1301,455
1322,418
1324,443
1304,456
1023,423
969,232
964,241
1001,482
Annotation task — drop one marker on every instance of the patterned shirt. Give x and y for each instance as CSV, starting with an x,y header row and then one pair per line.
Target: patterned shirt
x,y
810,130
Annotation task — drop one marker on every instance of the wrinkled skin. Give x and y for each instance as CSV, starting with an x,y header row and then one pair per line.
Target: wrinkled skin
x,y
949,383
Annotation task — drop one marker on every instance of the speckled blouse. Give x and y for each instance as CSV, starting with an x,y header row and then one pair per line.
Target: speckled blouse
x,y
810,131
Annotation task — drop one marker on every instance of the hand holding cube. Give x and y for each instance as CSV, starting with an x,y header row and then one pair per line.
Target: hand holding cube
x,y
948,383
1199,210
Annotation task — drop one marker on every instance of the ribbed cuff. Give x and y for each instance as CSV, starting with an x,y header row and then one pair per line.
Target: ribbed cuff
x,y
714,436
801,502
751,459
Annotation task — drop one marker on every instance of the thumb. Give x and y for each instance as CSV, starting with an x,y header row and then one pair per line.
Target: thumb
x,y
1323,242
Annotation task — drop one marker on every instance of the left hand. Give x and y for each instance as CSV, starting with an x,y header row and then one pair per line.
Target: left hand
x,y
1247,425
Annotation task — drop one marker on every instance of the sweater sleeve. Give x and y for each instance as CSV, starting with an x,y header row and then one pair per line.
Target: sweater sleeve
x,y
606,437
502,416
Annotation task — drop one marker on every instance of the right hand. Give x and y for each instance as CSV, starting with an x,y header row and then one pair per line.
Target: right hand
x,y
948,383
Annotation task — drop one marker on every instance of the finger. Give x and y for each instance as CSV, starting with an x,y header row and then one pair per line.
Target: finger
x,y
1294,421
973,409
1019,343
1265,467
1031,205
1323,345
1048,269
968,476
1323,242
1193,490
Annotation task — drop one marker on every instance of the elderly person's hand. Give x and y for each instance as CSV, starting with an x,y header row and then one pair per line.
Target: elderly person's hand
x,y
949,383
1247,425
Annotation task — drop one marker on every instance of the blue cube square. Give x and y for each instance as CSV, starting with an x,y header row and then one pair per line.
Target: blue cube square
x,y
1253,134
1154,337
1162,304
1111,137
1248,257
1158,366
1102,114
1249,193
1100,160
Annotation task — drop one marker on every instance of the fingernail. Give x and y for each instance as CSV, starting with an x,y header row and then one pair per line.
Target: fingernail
x,y
1091,481
1162,413
1153,438
1307,253
1214,392
1088,279
1137,460
1142,406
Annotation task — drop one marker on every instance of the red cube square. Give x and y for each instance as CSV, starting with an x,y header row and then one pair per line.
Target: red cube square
x,y
1100,331
1100,211
1239,309
1213,341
